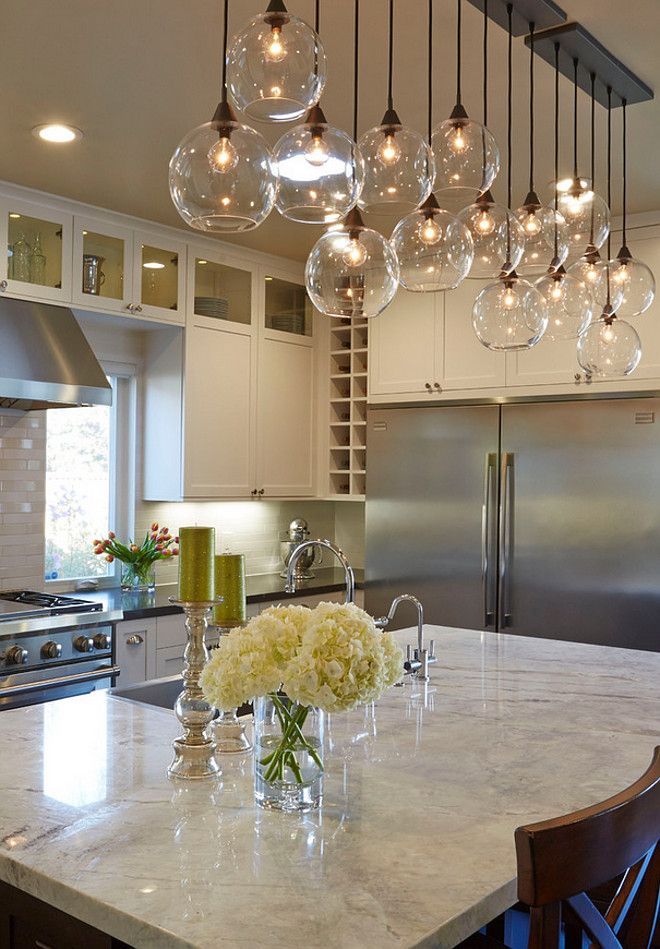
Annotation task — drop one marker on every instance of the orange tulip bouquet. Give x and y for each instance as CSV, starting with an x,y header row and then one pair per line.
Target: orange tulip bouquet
x,y
138,562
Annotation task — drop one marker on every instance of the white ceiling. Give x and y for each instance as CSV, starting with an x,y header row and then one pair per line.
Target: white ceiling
x,y
137,76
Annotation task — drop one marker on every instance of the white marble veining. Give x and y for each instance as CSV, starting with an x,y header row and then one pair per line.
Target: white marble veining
x,y
413,846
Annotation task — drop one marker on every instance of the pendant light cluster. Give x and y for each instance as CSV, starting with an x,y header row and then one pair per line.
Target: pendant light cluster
x,y
548,279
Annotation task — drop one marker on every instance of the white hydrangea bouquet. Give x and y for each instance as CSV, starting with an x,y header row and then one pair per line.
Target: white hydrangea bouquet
x,y
299,663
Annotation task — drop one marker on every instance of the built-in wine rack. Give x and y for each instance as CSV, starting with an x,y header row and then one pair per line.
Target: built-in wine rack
x,y
348,408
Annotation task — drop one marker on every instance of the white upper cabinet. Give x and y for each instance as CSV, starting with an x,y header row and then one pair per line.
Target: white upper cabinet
x,y
159,278
37,262
467,363
644,244
403,346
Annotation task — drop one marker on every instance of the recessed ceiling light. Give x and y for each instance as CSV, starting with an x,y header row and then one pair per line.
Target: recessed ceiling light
x,y
200,262
55,132
268,278
153,265
14,216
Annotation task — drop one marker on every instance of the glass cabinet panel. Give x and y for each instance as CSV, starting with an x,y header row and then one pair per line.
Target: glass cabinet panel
x,y
34,250
160,277
102,265
223,293
288,308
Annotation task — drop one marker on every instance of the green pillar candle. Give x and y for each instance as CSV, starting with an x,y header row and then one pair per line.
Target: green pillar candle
x,y
196,576
230,585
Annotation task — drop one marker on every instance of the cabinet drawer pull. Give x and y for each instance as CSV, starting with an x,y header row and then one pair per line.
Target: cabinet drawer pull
x,y
428,386
134,640
436,385
3,284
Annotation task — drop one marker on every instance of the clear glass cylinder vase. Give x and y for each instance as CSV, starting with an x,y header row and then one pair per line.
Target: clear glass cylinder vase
x,y
288,754
138,578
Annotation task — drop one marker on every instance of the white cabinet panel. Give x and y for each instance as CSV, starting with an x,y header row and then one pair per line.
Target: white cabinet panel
x,y
467,364
550,362
135,647
403,344
644,244
219,413
102,265
171,630
169,661
286,407
38,258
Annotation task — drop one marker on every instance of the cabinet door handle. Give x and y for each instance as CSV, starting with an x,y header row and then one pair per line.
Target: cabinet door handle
x,y
134,640
3,284
436,385
253,492
261,493
428,386
138,308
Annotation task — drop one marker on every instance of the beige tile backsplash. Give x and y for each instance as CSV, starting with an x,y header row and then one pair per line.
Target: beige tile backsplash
x,y
22,499
249,527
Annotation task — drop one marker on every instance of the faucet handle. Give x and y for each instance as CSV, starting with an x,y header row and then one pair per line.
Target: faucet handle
x,y
431,649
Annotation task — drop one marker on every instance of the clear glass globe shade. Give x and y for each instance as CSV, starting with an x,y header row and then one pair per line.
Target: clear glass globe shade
x,y
538,225
509,315
609,349
569,303
276,68
222,178
434,250
636,284
585,213
592,272
489,225
352,273
398,170
320,176
466,157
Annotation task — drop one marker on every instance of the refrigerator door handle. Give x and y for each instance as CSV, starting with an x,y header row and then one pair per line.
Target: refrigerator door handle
x,y
488,542
506,538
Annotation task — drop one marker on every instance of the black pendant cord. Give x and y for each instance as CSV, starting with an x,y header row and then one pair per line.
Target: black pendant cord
x,y
556,242
225,34
485,57
356,61
509,105
575,118
531,107
429,117
390,55
458,51
317,16
624,158
609,190
593,155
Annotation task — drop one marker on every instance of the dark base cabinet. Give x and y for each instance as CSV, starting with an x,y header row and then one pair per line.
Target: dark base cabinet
x,y
29,923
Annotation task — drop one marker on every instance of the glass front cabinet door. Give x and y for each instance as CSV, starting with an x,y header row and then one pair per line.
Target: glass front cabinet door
x,y
38,258
102,265
159,278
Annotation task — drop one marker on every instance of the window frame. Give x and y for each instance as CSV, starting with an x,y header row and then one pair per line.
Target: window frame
x,y
121,508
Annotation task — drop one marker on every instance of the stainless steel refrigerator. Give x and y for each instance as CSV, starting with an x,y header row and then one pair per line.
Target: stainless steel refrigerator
x,y
541,519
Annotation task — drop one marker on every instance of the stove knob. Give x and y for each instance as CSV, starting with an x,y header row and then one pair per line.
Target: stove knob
x,y
83,644
102,641
16,656
51,650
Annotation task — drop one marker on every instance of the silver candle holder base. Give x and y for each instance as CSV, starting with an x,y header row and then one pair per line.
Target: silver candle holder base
x,y
194,751
228,729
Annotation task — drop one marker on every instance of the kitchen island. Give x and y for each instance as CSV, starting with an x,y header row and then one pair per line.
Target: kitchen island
x,y
414,843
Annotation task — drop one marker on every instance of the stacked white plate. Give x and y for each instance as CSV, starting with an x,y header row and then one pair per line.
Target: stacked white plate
x,y
215,307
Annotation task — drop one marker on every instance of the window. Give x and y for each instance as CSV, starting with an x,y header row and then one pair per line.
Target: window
x,y
88,485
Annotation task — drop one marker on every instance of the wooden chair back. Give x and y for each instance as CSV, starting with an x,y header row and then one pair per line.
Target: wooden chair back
x,y
560,859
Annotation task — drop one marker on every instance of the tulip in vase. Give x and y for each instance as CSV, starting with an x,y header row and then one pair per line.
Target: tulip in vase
x,y
138,573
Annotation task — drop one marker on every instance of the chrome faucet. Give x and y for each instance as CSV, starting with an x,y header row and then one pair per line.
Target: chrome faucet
x,y
418,658
327,545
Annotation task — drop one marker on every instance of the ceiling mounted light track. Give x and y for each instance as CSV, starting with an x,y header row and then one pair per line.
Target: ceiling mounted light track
x,y
543,13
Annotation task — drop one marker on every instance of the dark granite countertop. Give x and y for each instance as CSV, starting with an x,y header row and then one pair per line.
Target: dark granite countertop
x,y
260,589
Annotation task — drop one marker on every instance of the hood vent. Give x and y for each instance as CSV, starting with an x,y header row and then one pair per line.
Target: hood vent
x,y
45,360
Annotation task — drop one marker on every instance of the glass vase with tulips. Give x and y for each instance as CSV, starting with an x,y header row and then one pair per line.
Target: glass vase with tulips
x,y
138,561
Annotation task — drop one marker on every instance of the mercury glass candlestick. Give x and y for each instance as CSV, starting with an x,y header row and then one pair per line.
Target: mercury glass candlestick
x,y
194,752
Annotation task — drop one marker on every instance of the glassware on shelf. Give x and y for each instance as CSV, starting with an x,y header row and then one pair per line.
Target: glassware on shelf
x,y
21,259
93,277
37,262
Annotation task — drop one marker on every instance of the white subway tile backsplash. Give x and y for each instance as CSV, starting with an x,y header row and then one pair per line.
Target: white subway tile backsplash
x,y
22,500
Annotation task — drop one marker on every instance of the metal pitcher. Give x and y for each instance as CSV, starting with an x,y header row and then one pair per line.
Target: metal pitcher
x,y
93,277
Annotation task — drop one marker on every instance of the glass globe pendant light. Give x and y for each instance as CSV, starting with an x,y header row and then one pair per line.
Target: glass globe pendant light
x,y
276,66
631,277
510,314
319,168
586,214
543,227
434,248
352,271
399,165
590,268
467,158
498,238
221,175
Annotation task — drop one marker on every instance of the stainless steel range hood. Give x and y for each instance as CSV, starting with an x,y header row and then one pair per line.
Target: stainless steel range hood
x,y
45,360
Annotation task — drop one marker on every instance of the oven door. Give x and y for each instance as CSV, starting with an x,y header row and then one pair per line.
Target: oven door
x,y
46,685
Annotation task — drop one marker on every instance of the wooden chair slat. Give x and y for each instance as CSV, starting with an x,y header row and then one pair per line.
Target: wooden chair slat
x,y
593,922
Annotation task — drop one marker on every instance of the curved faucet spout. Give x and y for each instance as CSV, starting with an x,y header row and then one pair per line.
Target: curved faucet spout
x,y
327,545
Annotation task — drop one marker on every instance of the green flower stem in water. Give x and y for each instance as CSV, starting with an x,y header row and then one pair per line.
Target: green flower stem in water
x,y
292,740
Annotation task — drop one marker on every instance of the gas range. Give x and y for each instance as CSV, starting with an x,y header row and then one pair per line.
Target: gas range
x,y
53,646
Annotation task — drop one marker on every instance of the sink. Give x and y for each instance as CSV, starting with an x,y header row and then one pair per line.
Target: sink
x,y
159,692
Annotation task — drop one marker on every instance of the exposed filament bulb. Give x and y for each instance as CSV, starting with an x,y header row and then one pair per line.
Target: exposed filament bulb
x,y
355,253
222,155
274,45
531,224
457,139
485,222
557,291
316,151
389,152
608,333
429,231
509,297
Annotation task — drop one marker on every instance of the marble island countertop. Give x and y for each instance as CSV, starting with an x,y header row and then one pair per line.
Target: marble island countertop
x,y
414,843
